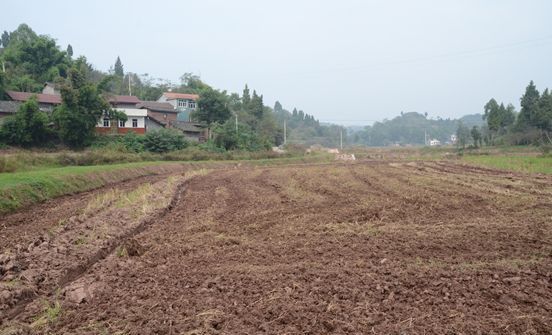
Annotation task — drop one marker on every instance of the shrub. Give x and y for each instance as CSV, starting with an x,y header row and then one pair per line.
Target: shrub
x,y
133,142
28,127
164,140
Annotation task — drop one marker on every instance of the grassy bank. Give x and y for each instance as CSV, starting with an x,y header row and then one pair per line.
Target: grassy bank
x,y
23,188
527,164
19,189
25,160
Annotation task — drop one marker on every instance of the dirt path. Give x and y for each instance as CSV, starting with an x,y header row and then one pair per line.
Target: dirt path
x,y
376,248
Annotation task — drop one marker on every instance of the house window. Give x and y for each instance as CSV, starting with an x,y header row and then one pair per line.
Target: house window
x,y
192,104
134,123
182,103
106,122
122,123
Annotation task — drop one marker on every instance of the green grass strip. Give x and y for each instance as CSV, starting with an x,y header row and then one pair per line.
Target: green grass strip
x,y
23,188
527,164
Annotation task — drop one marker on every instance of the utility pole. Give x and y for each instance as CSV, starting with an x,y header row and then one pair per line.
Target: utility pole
x,y
341,138
425,137
236,115
285,132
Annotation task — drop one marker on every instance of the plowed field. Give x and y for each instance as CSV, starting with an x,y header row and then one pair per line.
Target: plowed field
x,y
359,248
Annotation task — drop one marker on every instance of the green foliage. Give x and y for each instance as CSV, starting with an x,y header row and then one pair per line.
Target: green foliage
x,y
521,163
212,107
543,116
462,135
133,142
476,136
529,107
411,128
164,140
28,127
244,138
81,109
5,40
31,60
533,124
118,69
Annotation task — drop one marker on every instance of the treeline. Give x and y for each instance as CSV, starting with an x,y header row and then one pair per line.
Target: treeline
x,y
412,129
235,121
532,125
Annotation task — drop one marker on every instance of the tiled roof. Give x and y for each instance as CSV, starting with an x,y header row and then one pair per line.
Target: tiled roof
x,y
173,96
42,98
124,99
157,106
188,126
9,106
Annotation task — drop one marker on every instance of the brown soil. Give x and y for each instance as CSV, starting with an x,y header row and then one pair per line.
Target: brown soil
x,y
366,248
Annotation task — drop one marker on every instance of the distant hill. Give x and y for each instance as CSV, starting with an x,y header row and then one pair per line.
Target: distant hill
x,y
411,128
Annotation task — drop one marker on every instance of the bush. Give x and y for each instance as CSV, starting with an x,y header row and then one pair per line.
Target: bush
x,y
164,140
133,142
28,127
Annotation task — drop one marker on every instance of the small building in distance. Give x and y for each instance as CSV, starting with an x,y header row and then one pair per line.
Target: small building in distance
x,y
51,88
434,142
184,103
136,122
159,113
193,131
46,102
124,101
8,108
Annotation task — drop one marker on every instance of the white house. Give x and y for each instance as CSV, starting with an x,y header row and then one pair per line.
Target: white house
x,y
136,122
434,142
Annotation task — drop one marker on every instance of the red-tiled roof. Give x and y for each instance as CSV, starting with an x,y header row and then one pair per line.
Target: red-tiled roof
x,y
124,99
172,96
52,99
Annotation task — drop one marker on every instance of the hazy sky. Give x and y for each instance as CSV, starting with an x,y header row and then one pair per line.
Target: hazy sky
x,y
348,61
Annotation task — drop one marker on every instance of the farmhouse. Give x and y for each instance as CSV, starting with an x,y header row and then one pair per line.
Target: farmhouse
x,y
172,110
136,122
161,113
184,103
124,101
46,102
192,130
8,108
434,142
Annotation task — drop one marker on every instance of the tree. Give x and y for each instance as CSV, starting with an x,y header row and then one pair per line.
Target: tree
x,y
476,136
118,68
246,98
462,135
82,106
543,117
29,126
529,107
256,106
69,50
211,108
5,41
492,115
278,107
30,60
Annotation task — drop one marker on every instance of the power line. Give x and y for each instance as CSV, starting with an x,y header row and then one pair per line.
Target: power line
x,y
459,54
